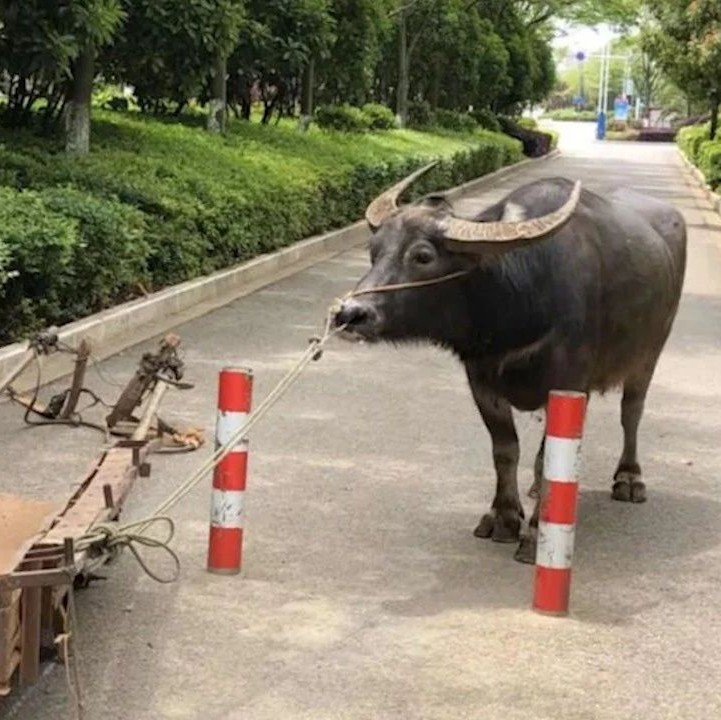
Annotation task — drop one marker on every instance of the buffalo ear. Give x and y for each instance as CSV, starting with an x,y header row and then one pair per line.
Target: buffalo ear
x,y
435,201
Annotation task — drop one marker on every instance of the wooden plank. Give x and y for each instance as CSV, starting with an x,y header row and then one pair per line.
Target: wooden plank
x,y
9,637
22,521
30,635
115,470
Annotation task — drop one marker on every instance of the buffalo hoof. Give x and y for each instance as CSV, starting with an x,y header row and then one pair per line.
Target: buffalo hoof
x,y
628,487
526,552
503,528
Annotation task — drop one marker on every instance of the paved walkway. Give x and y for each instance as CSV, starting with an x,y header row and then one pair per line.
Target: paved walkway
x,y
365,595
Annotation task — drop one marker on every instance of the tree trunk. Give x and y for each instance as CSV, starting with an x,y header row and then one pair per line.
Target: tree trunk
x,y
219,96
77,109
403,71
715,102
435,86
306,96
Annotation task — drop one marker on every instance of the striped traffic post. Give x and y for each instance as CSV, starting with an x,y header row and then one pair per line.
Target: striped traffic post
x,y
557,516
225,545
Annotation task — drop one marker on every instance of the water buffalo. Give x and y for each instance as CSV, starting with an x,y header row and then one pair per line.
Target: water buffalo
x,y
553,287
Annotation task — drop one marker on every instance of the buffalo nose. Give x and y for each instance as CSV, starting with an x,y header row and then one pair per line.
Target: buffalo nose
x,y
352,313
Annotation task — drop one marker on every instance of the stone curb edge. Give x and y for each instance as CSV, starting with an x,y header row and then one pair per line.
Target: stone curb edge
x,y
131,323
713,197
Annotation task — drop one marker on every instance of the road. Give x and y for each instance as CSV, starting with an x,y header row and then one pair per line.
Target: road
x,y
365,595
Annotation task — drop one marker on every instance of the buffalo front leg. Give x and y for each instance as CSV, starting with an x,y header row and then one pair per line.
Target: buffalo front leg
x,y
503,522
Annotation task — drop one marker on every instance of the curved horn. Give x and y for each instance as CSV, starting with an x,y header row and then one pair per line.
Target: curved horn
x,y
384,205
465,234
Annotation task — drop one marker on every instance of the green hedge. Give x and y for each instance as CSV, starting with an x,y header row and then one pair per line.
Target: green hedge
x,y
452,120
157,203
380,116
690,140
702,152
709,161
345,118
553,135
65,254
486,119
571,115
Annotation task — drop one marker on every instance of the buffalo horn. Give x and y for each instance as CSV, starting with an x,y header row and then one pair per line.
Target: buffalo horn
x,y
387,203
469,231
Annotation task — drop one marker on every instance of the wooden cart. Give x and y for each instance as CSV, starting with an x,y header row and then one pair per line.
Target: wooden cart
x,y
39,563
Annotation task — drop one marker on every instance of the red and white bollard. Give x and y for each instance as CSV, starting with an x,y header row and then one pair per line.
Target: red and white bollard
x,y
225,545
565,414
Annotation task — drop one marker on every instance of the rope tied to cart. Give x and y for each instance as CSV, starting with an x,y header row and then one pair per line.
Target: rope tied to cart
x,y
106,541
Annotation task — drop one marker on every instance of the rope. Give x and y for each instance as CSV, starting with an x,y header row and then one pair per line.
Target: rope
x,y
68,637
107,541
407,285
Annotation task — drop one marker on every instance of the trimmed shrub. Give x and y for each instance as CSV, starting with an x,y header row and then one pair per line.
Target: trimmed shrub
x,y
456,121
553,135
380,116
571,115
486,119
690,140
36,251
158,203
528,123
65,254
111,252
420,114
344,118
710,161
535,143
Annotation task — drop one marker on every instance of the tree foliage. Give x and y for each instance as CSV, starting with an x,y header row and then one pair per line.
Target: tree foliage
x,y
450,54
686,41
39,42
167,47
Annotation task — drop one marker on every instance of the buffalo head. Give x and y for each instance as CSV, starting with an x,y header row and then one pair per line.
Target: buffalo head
x,y
422,256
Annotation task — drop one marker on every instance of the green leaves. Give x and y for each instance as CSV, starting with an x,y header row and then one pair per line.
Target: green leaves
x,y
159,203
686,41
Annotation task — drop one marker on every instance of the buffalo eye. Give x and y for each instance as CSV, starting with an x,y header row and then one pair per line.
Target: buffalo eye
x,y
422,254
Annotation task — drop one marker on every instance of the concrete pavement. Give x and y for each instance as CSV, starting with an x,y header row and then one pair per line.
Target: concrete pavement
x,y
365,595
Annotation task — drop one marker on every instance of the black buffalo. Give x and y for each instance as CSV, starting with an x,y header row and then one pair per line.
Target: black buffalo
x,y
553,287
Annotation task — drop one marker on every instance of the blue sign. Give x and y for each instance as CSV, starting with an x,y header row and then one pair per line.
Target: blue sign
x,y
620,109
580,56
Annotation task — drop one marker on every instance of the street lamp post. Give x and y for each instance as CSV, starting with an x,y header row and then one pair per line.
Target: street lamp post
x,y
580,57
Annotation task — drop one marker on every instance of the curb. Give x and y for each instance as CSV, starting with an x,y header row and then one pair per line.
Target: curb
x,y
123,326
713,197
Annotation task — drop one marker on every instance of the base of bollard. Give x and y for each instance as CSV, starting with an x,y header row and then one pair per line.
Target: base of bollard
x,y
551,613
223,571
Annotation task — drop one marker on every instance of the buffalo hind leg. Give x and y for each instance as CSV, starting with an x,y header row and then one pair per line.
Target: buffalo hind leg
x,y
627,483
526,552
503,522
535,489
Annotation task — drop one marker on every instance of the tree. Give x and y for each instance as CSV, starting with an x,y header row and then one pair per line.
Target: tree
x,y
276,49
464,61
169,48
48,49
362,28
686,41
227,21
93,23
